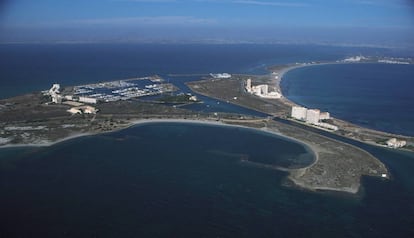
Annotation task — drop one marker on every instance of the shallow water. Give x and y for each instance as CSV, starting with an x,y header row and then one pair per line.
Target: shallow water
x,y
186,180
158,178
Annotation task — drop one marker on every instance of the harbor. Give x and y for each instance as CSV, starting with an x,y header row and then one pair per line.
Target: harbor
x,y
121,89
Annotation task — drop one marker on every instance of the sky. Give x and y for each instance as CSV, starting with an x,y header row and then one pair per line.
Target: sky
x,y
387,22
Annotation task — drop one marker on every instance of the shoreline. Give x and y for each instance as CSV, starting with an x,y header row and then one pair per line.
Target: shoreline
x,y
340,164
312,149
288,68
277,83
131,124
307,177
48,143
282,72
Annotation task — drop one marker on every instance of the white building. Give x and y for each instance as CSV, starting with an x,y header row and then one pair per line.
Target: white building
x,y
88,100
56,98
299,113
265,89
261,90
273,95
392,61
54,93
394,143
354,59
83,110
324,116
54,89
327,126
256,90
221,76
312,116
69,97
249,85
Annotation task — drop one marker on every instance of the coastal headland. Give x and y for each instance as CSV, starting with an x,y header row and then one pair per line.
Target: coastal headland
x,y
31,120
233,90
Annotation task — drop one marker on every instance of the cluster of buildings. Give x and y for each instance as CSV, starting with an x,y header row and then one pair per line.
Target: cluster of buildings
x,y
56,97
354,59
221,76
261,90
312,116
316,117
83,110
394,143
391,61
110,91
77,102
387,60
107,92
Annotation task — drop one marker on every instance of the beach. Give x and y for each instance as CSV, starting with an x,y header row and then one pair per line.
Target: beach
x,y
302,177
348,129
323,174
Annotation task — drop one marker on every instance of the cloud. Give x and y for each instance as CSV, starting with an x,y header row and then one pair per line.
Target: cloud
x,y
157,20
122,22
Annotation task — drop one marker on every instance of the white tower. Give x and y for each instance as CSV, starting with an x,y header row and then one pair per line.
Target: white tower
x,y
249,85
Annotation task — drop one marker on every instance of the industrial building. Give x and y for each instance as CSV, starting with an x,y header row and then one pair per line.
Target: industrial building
x,y
54,89
54,93
248,85
261,90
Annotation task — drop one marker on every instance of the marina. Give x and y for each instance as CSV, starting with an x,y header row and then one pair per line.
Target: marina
x,y
122,89
160,180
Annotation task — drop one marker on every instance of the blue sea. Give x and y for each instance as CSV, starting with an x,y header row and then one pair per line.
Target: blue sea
x,y
192,180
27,68
377,96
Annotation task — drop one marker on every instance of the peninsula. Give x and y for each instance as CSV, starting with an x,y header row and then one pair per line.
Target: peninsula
x,y
33,119
236,90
